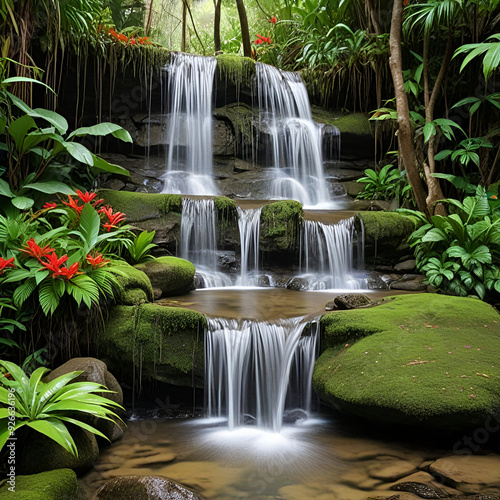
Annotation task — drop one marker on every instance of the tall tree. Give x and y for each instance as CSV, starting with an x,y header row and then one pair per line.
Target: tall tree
x,y
217,44
405,137
245,33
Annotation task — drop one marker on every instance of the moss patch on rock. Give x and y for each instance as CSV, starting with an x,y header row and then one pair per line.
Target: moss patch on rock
x,y
139,206
351,123
387,228
165,342
173,276
235,69
421,359
134,285
52,485
280,225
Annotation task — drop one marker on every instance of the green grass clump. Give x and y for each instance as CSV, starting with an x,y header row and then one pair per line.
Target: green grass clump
x,y
416,359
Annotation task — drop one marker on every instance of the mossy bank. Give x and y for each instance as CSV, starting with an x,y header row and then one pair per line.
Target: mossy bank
x,y
423,359
165,343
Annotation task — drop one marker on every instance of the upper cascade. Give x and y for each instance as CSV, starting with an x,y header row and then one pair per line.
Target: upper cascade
x,y
189,135
295,138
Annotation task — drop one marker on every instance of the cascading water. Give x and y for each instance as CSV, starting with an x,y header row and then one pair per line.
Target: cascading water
x,y
189,133
199,240
327,255
296,139
249,228
248,369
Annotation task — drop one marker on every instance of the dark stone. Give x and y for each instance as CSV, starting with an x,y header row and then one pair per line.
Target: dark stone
x,y
198,281
421,489
330,306
291,416
144,488
157,293
297,284
264,281
405,266
352,301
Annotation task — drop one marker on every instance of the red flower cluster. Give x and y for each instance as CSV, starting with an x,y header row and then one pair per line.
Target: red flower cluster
x,y
97,260
54,264
5,263
273,20
85,197
113,218
33,250
261,39
120,37
49,205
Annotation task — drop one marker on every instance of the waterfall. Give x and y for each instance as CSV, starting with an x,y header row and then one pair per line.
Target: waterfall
x,y
189,133
249,227
327,255
248,369
199,240
296,139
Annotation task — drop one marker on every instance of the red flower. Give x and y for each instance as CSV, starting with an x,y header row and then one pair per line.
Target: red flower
x,y
67,273
405,2
123,38
33,250
87,197
113,218
257,42
54,263
97,260
5,263
263,39
49,205
73,204
132,41
273,20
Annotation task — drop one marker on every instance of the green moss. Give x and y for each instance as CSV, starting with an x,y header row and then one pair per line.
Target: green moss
x,y
137,206
173,276
134,285
242,118
52,485
351,123
415,359
235,69
165,342
280,225
390,228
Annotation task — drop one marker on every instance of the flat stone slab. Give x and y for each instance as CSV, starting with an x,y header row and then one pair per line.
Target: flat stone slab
x,y
391,469
470,473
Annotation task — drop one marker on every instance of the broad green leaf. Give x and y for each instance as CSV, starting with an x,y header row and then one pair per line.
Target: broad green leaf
x,y
104,166
19,128
50,187
79,153
17,79
429,130
22,202
5,189
90,224
55,119
102,129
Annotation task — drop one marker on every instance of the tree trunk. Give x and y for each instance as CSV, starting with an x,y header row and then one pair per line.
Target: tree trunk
x,y
217,44
245,33
405,139
184,26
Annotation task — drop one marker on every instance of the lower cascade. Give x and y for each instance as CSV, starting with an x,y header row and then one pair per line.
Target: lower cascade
x,y
259,372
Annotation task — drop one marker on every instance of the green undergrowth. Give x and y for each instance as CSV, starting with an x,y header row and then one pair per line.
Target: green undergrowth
x,y
415,359
280,224
165,342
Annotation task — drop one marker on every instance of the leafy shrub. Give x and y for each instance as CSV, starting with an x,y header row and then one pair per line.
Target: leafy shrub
x,y
387,184
48,407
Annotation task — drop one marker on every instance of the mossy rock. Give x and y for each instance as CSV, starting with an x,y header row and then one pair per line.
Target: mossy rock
x,y
426,359
171,275
386,229
134,285
149,212
60,484
236,70
165,342
280,224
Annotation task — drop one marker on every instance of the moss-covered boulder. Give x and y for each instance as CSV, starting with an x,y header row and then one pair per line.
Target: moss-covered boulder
x,y
149,212
280,224
166,343
423,359
60,484
171,275
134,285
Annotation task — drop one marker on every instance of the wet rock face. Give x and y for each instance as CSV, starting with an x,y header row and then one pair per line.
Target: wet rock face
x,y
144,488
351,301
420,489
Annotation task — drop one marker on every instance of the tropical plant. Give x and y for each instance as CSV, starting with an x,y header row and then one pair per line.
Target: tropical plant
x,y
387,184
47,408
460,253
140,248
489,50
